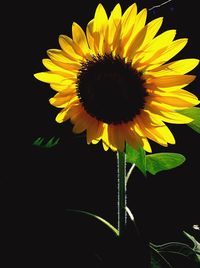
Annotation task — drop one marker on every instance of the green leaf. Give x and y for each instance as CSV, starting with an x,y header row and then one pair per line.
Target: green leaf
x,y
163,161
172,250
109,225
51,143
157,260
193,113
136,157
196,247
153,163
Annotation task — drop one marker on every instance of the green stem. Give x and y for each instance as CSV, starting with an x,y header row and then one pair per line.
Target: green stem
x,y
122,215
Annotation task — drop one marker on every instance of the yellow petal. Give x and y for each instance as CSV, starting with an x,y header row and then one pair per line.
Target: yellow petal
x,y
99,133
172,81
151,88
128,20
155,128
49,77
57,82
167,134
100,19
67,46
171,117
94,131
95,141
140,21
132,141
59,55
135,44
71,89
80,39
90,36
150,132
57,69
176,118
65,114
152,29
105,141
79,127
131,137
71,86
159,127
177,103
154,135
143,37
60,59
75,111
180,98
116,136
175,68
155,106
119,138
60,100
173,49
111,135
116,14
81,122
140,137
145,144
99,28
112,27
161,41
117,47
154,49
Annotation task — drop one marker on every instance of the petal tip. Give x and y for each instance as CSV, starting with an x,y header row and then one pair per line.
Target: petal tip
x,y
74,24
37,76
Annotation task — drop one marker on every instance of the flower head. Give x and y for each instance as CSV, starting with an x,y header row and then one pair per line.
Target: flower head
x,y
116,82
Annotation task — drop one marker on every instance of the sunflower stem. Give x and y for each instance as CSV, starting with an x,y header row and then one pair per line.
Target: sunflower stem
x,y
122,198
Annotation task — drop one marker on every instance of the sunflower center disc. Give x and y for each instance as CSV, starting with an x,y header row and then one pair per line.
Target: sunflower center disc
x,y
110,89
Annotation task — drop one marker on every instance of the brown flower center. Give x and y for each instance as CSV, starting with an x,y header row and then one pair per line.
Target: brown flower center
x,y
110,89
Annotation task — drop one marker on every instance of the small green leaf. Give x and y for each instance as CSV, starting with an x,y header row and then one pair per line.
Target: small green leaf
x,y
109,225
163,161
193,113
51,143
136,157
38,141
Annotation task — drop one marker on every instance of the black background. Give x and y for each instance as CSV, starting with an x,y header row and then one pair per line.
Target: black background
x,y
37,184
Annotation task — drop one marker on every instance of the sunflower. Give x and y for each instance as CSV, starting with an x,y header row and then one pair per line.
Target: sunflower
x,y
115,81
